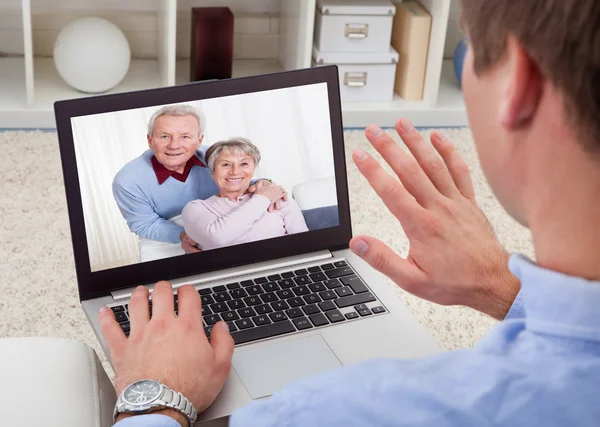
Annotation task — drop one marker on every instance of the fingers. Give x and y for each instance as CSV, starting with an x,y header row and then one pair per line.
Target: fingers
x,y
222,344
382,258
278,205
139,313
189,303
252,189
189,248
162,300
110,329
407,168
271,207
458,169
429,160
400,203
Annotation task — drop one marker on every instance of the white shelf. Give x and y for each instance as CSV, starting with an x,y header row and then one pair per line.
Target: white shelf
x,y
12,84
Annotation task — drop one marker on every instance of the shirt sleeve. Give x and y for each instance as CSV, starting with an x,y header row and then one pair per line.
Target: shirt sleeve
x,y
293,219
141,218
205,225
148,420
517,311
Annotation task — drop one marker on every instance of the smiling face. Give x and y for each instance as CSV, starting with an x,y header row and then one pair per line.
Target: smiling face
x,y
233,172
174,140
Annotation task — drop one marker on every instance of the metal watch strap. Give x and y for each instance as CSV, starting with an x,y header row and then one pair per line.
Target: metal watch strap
x,y
175,400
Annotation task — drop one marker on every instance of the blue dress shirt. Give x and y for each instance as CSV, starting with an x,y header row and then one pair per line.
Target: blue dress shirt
x,y
538,367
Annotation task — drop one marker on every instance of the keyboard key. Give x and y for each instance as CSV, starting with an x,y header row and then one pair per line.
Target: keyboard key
x,y
340,263
271,287
263,309
335,316
207,299
234,286
328,295
235,304
205,291
327,267
360,307
274,277
317,287
245,283
310,309
279,305
261,332
278,316
232,327
238,293
246,312
327,305
121,316
286,283
285,294
117,308
317,277
229,316
354,299
315,269
220,288
302,323
244,323
222,296
302,280
212,319
378,309
339,272
301,272
343,292
332,283
206,310
260,280
253,300
351,315
125,326
261,320
295,302
355,283
365,312
301,290
219,307
318,319
287,274
294,312
312,298
270,297
207,331
255,290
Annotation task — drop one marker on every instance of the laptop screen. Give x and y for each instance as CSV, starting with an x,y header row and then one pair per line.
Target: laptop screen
x,y
159,181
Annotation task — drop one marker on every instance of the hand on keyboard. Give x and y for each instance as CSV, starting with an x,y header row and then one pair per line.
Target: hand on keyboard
x,y
171,349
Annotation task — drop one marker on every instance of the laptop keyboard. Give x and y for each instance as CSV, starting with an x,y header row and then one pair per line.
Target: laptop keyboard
x,y
283,303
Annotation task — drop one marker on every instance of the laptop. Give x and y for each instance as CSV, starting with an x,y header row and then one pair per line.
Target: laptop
x,y
298,303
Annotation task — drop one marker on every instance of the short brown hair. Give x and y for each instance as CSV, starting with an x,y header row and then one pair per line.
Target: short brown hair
x,y
561,36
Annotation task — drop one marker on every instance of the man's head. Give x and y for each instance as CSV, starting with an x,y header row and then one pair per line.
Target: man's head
x,y
174,134
531,83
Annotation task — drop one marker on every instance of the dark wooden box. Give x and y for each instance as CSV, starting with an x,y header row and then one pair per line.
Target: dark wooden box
x,y
211,56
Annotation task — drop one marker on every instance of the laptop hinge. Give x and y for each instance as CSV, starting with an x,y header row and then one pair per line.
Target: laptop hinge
x,y
236,272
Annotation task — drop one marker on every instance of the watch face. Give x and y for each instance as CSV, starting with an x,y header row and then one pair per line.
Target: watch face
x,y
142,392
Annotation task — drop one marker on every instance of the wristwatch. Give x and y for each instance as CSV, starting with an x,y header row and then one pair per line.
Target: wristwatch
x,y
146,396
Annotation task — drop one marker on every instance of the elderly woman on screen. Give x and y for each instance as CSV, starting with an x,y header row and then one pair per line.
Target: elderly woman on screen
x,y
234,215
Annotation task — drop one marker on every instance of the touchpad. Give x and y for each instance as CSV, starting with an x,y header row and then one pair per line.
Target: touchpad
x,y
267,369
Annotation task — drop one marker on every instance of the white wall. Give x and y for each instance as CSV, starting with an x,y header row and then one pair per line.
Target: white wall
x,y
454,32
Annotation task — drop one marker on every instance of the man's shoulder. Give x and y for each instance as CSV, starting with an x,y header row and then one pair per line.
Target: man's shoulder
x,y
135,169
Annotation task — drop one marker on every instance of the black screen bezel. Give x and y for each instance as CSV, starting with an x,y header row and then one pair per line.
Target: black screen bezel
x,y
99,283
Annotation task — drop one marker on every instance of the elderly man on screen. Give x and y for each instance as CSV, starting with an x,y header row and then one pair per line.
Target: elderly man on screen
x,y
233,215
152,189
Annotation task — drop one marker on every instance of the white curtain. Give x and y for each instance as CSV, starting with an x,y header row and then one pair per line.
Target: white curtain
x,y
291,127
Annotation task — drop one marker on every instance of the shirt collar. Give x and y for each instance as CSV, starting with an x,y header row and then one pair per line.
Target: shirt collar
x,y
556,303
162,173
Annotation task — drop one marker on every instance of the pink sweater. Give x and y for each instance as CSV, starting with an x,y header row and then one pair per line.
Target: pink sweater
x,y
218,221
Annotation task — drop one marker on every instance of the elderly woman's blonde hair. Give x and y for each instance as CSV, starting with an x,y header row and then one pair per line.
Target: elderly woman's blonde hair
x,y
236,145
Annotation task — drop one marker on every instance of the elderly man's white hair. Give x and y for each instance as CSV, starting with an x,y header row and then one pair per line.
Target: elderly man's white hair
x,y
178,110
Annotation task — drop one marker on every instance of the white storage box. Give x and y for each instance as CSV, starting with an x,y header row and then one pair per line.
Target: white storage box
x,y
363,76
353,25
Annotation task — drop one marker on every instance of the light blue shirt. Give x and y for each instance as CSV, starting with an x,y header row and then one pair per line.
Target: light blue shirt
x,y
538,367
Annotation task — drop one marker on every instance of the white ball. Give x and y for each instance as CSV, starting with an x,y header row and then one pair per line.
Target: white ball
x,y
92,55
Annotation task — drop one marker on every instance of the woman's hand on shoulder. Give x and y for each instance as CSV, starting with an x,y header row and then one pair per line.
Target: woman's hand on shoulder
x,y
271,191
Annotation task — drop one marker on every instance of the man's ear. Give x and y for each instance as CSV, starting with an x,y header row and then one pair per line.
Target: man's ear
x,y
149,138
523,86
200,140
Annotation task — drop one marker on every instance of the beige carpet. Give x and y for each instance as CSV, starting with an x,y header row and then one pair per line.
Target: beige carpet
x,y
38,290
